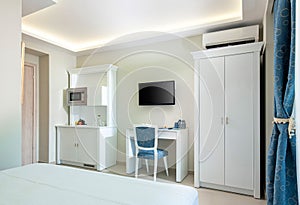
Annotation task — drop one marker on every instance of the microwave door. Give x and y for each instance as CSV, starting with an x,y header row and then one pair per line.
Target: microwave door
x,y
75,96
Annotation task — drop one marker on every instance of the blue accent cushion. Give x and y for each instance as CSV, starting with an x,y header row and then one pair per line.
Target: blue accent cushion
x,y
149,154
145,136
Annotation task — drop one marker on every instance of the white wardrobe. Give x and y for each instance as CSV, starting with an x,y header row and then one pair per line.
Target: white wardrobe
x,y
227,123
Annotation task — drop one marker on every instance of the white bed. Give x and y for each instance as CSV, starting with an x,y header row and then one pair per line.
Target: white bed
x,y
45,184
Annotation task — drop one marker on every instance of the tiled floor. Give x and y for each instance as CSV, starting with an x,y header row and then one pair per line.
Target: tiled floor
x,y
206,196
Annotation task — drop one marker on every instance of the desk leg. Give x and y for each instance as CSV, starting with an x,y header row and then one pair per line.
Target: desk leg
x,y
130,164
130,157
182,156
57,146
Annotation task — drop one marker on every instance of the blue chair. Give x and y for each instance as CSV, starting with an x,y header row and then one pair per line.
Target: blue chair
x,y
146,141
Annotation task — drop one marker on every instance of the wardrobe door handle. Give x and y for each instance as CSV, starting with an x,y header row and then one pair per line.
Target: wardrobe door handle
x,y
227,121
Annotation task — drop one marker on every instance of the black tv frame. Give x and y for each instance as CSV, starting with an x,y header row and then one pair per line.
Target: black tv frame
x,y
157,83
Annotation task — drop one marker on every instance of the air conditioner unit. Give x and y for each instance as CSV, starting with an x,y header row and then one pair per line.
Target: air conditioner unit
x,y
230,37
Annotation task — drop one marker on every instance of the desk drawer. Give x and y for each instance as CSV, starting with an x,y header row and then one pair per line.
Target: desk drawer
x,y
167,135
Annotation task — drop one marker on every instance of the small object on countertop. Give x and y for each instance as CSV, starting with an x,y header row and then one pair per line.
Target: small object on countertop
x,y
183,124
81,122
179,124
99,121
176,125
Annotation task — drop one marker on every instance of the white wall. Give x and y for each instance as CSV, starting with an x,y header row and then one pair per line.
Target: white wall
x,y
10,84
60,60
169,60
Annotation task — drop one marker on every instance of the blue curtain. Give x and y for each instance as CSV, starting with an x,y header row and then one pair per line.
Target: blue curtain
x,y
281,161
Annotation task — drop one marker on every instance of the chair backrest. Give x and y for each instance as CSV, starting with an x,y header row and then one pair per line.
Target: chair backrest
x,y
145,136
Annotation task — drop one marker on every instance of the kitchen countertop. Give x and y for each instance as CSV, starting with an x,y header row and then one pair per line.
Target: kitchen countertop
x,y
83,126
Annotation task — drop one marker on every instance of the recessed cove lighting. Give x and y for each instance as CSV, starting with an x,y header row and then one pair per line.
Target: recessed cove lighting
x,y
82,28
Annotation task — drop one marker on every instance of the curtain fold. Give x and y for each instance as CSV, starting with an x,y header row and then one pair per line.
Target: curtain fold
x,y
281,162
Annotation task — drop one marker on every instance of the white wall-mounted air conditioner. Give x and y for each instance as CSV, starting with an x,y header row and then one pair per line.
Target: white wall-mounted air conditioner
x,y
230,37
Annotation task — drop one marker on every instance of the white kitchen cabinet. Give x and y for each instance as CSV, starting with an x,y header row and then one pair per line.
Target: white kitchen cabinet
x,y
69,142
227,123
86,146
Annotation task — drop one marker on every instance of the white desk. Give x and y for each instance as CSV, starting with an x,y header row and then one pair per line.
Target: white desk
x,y
181,138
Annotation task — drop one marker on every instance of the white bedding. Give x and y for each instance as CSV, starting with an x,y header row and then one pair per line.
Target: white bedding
x,y
45,184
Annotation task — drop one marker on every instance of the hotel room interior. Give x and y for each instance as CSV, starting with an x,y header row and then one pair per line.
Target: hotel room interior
x,y
149,102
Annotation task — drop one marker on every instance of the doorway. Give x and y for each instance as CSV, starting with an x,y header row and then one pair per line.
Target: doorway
x,y
29,115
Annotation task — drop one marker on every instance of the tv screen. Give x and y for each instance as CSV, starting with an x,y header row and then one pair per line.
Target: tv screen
x,y
157,93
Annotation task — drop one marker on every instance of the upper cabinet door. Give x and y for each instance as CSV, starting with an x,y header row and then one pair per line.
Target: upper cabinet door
x,y
211,122
239,120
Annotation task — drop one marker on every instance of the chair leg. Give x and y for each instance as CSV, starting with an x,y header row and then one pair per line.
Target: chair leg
x,y
147,165
136,167
166,165
155,168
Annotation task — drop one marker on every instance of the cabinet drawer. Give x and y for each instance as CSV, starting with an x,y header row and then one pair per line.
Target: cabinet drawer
x,y
167,135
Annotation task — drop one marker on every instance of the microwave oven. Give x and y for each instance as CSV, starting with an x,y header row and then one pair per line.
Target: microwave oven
x,y
76,96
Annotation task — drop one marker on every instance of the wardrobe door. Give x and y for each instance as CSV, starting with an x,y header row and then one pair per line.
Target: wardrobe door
x,y
239,121
211,121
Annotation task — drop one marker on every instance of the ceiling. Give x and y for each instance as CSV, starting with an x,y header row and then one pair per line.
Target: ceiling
x,y
31,6
79,25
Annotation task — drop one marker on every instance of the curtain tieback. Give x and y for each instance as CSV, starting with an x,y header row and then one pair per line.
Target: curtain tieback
x,y
292,125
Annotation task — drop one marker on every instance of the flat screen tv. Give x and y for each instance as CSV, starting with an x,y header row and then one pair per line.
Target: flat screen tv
x,y
157,93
